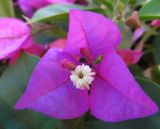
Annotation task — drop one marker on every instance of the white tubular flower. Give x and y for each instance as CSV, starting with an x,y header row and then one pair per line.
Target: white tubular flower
x,y
82,77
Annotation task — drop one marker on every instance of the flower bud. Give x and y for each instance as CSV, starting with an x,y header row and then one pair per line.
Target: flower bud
x,y
155,23
133,20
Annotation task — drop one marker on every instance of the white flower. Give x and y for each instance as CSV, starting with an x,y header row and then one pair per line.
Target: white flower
x,y
82,77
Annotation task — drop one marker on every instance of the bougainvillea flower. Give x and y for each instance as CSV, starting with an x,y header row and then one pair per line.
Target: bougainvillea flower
x,y
129,56
13,40
60,82
138,33
156,23
30,6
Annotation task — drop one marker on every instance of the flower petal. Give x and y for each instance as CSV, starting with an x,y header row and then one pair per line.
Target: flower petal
x,y
48,75
14,57
156,23
130,56
92,31
108,104
11,38
60,43
26,7
36,49
65,102
118,96
138,33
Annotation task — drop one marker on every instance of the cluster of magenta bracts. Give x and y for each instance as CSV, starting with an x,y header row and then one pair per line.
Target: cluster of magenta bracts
x,y
10,50
26,43
114,93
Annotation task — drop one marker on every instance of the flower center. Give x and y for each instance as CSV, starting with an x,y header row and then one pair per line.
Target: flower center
x,y
82,77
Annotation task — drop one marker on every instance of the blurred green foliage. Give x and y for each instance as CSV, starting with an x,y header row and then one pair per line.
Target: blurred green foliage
x,y
6,8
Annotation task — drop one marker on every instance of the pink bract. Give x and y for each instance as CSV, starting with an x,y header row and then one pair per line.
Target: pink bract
x,y
130,56
16,36
156,23
60,43
138,33
114,95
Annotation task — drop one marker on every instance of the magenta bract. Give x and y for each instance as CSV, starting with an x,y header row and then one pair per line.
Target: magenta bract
x,y
114,94
60,43
138,33
16,35
156,23
130,56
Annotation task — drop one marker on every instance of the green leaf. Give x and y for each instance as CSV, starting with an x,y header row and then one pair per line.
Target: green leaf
x,y
56,12
12,83
49,35
136,70
15,78
153,73
156,48
6,8
150,10
137,2
153,90
156,74
127,36
2,68
7,121
107,3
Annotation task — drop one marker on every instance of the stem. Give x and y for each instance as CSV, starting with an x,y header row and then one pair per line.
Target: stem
x,y
151,50
115,10
147,35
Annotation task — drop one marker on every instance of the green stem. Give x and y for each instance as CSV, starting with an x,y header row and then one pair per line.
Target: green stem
x,y
151,50
147,35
